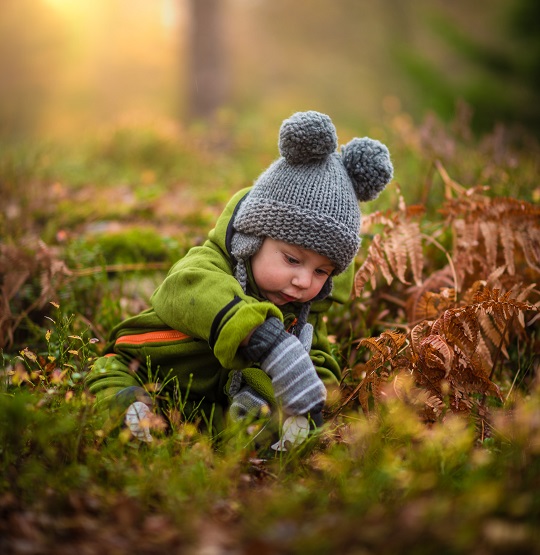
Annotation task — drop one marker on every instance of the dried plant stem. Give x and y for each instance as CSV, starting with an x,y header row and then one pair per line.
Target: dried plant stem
x,y
449,183
512,386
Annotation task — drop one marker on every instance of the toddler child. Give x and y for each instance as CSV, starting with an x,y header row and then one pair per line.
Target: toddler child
x,y
237,326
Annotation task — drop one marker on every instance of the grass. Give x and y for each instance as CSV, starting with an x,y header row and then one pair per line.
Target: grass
x,y
113,215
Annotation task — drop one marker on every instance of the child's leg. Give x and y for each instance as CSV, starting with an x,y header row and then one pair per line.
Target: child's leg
x,y
109,375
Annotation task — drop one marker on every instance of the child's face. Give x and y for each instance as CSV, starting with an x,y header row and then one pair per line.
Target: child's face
x,y
286,273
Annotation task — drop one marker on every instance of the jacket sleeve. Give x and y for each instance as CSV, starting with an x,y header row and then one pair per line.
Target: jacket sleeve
x,y
202,298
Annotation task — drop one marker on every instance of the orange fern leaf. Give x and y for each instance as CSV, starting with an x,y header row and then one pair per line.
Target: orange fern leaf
x,y
490,232
413,243
396,253
436,353
430,305
530,243
506,236
393,249
375,260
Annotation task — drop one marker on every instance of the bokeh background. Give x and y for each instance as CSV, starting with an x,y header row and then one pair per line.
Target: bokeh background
x,y
68,67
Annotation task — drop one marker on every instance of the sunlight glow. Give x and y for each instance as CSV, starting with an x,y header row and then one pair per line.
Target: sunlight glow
x,y
170,12
63,5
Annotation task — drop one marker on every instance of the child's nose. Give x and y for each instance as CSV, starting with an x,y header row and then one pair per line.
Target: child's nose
x,y
302,279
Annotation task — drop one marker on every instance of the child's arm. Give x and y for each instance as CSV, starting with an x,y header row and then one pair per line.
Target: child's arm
x,y
201,298
283,357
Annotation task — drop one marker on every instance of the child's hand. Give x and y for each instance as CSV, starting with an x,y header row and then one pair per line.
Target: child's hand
x,y
283,357
248,403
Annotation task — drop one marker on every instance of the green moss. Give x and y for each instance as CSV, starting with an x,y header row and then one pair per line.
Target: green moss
x,y
138,244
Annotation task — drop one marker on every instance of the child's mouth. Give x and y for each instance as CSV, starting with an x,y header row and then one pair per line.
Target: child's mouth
x,y
287,298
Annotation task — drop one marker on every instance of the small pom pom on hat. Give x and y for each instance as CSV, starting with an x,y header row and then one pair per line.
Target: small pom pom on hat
x,y
309,196
307,136
367,162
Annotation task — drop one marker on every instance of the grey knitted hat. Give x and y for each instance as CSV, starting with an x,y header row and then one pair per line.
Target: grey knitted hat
x,y
309,196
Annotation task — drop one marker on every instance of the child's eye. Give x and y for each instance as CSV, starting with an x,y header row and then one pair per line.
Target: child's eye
x,y
322,272
291,259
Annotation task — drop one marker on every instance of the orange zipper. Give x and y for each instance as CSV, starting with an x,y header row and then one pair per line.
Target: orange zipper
x,y
152,337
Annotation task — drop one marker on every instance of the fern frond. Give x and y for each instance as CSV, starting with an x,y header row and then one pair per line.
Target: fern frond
x,y
375,260
458,348
460,327
395,250
396,253
507,238
489,331
412,238
430,305
484,355
442,279
436,354
481,224
380,261
369,391
530,244
385,360
418,334
387,344
493,298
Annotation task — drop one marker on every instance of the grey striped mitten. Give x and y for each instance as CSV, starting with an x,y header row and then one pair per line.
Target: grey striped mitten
x,y
283,357
306,337
248,403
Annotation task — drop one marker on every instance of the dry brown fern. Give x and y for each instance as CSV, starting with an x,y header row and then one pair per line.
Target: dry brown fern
x,y
490,236
450,358
456,354
385,361
396,250
490,233
463,318
20,269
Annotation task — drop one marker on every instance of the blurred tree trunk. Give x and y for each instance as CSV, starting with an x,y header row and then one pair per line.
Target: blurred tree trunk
x,y
208,77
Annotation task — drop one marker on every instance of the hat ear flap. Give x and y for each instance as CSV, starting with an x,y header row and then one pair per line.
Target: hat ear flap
x,y
243,247
368,164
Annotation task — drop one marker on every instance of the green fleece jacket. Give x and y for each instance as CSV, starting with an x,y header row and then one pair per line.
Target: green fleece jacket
x,y
188,341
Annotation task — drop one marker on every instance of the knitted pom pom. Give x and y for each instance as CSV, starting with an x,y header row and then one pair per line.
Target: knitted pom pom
x,y
368,164
307,137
